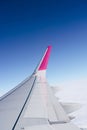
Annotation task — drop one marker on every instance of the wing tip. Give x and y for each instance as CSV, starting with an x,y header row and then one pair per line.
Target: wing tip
x,y
44,62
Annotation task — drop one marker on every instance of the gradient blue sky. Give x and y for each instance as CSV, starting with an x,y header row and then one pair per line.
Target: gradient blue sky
x,y
28,27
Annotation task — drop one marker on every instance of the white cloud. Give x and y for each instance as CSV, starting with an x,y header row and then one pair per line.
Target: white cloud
x,y
75,91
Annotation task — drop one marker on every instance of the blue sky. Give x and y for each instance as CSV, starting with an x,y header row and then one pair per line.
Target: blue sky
x,y
28,27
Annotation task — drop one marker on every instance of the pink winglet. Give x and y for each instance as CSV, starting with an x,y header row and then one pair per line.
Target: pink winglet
x,y
44,63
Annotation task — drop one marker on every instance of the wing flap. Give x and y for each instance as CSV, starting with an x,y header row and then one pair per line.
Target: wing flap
x,y
70,107
66,126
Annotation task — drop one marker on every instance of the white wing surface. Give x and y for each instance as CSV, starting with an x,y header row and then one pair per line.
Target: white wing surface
x,y
32,106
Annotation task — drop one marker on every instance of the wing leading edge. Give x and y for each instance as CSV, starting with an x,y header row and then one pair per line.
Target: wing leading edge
x,y
32,106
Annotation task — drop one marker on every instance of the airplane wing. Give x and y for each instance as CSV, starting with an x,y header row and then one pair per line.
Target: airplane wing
x,y
32,105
